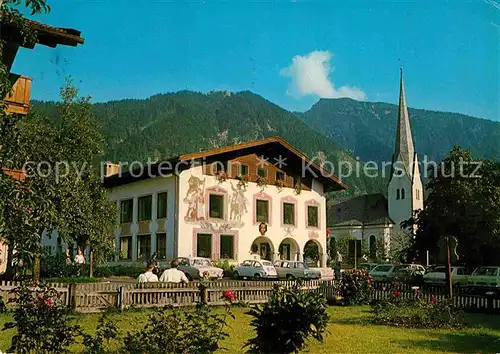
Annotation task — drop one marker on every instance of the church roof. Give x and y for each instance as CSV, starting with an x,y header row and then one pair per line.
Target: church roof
x,y
368,209
404,141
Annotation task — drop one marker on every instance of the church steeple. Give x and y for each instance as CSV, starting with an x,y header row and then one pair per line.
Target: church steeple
x,y
404,141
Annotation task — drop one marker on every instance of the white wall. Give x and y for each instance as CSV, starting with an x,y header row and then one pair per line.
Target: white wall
x,y
247,230
151,186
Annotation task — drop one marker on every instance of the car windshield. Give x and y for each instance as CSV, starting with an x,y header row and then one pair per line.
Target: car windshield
x,y
267,263
490,272
382,268
201,263
183,262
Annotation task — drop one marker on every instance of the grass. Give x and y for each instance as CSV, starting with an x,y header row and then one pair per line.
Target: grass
x,y
350,332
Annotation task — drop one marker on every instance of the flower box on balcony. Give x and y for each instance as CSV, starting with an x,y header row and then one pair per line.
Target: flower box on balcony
x,y
18,100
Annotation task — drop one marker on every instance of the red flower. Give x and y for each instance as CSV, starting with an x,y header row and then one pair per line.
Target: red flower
x,y
434,300
397,293
29,210
229,295
49,303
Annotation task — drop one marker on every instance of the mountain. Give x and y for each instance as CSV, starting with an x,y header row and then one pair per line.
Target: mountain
x,y
368,129
167,125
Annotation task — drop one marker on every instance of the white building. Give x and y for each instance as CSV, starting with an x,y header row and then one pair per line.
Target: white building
x,y
185,207
373,218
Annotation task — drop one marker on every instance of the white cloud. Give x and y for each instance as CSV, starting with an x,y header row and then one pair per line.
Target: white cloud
x,y
309,75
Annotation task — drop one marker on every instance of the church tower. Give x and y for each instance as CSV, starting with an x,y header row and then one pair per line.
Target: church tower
x,y
405,190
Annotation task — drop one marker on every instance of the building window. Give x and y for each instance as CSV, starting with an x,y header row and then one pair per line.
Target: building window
x,y
144,208
288,214
243,170
227,246
126,247
312,216
280,176
161,205
126,210
262,211
204,245
262,172
143,246
161,246
418,194
397,193
402,193
216,206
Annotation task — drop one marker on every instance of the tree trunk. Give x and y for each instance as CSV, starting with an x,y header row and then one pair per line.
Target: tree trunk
x,y
91,263
9,270
37,263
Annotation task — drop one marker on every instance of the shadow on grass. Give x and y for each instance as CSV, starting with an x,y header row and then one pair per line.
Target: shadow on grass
x,y
457,342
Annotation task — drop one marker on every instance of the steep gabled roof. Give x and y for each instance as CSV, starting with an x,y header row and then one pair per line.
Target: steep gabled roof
x,y
403,145
273,144
368,209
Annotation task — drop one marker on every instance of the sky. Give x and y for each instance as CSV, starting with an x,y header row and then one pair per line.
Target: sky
x,y
290,52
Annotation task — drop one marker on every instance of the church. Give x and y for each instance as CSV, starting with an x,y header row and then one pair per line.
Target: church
x,y
375,219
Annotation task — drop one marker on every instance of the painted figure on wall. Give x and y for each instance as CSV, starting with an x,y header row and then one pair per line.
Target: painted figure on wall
x,y
238,204
262,228
195,199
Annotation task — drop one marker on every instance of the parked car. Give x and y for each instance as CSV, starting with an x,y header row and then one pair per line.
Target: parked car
x,y
485,277
388,272
295,270
368,266
255,269
437,276
195,267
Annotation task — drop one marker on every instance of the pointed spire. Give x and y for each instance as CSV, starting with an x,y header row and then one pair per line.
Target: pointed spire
x,y
404,141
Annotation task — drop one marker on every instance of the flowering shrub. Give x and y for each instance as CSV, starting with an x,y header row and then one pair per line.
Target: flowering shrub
x,y
287,320
415,312
262,182
279,183
243,180
181,330
355,286
41,321
221,176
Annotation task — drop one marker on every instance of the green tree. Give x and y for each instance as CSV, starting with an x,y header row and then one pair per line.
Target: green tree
x,y
463,201
62,187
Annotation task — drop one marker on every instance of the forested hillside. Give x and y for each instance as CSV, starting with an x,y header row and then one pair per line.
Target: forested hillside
x,y
368,129
171,124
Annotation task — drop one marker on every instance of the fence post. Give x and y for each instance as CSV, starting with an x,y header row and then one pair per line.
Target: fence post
x,y
72,296
121,298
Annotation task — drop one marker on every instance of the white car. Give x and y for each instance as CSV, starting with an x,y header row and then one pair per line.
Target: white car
x,y
197,267
255,269
437,276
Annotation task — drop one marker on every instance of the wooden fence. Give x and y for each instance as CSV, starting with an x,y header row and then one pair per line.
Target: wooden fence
x,y
7,294
97,297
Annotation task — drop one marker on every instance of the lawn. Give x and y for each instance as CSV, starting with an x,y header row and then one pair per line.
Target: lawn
x,y
350,332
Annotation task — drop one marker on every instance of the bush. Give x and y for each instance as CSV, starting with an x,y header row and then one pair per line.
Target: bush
x,y
181,330
355,286
228,268
105,333
41,321
415,312
287,320
119,271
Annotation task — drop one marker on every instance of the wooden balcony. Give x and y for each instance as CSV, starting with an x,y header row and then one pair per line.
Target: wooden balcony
x,y
19,100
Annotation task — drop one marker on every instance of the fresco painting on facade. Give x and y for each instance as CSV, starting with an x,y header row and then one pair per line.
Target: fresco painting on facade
x,y
195,198
313,235
238,205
